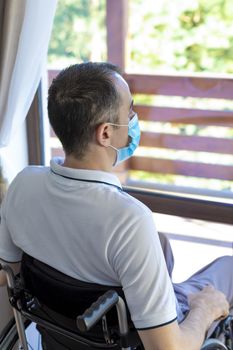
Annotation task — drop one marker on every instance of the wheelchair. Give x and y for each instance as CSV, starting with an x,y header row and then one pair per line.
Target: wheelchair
x,y
71,314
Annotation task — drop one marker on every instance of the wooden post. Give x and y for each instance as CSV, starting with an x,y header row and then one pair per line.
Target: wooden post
x,y
35,131
117,23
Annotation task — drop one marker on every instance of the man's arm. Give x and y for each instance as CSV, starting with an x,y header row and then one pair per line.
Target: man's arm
x,y
205,307
15,267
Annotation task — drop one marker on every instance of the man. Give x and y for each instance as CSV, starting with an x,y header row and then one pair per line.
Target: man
x,y
75,217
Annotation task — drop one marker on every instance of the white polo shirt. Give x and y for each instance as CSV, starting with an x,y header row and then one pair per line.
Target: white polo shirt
x,y
83,224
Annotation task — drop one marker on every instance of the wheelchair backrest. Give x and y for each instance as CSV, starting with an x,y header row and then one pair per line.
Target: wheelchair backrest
x,y
60,292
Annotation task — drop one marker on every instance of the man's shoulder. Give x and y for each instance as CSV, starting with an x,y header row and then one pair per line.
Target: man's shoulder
x,y
27,178
34,169
127,202
25,184
32,172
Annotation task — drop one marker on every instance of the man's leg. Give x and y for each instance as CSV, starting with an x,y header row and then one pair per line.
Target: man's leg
x,y
167,252
219,273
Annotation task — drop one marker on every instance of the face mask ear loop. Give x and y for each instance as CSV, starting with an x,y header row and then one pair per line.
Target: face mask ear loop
x,y
116,153
113,148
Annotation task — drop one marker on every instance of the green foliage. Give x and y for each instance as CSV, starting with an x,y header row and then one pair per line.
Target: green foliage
x,y
190,35
78,32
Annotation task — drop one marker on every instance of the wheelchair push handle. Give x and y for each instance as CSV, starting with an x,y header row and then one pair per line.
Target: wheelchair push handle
x,y
97,310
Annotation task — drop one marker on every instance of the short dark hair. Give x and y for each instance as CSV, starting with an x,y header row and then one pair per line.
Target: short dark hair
x,y
81,97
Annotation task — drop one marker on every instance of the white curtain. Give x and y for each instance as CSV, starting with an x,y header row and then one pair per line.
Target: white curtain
x,y
25,28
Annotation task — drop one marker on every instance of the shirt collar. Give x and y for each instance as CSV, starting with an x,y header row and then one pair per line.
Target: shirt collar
x,y
56,165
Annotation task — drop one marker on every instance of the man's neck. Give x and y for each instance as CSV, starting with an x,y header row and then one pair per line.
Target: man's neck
x,y
85,163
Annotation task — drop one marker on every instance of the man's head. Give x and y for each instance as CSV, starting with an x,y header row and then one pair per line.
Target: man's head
x,y
81,98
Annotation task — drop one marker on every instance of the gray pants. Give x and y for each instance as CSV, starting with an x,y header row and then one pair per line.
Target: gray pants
x,y
219,273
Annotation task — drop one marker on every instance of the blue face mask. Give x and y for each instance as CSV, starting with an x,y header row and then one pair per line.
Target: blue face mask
x,y
134,133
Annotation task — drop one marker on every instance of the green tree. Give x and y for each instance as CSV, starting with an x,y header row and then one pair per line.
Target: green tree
x,y
191,35
78,30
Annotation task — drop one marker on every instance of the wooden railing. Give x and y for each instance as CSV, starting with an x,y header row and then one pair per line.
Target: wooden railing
x,y
177,205
184,86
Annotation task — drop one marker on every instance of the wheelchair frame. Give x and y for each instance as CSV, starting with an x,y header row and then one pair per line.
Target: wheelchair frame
x,y
86,321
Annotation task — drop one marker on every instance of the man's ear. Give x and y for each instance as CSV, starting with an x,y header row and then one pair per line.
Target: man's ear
x,y
104,134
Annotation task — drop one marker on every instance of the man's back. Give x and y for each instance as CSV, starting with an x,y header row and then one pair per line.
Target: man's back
x,y
82,223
